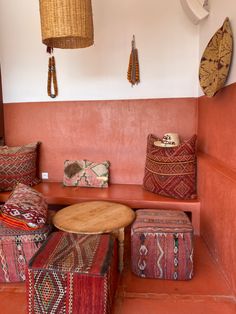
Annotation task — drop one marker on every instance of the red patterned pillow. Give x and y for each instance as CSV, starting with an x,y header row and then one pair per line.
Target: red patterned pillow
x,y
171,171
25,208
86,173
18,164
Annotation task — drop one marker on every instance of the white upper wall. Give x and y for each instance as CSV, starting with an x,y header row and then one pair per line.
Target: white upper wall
x,y
219,10
167,43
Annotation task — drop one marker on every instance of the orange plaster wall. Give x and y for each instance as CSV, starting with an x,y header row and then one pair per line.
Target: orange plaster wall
x,y
217,125
217,177
98,130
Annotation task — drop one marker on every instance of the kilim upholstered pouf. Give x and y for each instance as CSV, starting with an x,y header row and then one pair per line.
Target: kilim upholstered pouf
x,y
162,244
16,249
74,274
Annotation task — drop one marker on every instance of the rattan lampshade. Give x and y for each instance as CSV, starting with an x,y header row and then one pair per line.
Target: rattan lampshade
x,y
66,23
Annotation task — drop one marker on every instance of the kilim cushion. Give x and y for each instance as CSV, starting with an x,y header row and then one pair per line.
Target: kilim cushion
x,y
171,171
18,164
162,244
86,173
73,274
25,208
16,249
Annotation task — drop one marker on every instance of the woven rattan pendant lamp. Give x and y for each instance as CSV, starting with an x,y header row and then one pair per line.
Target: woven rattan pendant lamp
x,y
66,24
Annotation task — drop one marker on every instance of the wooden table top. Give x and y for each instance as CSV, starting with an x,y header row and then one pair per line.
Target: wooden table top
x,y
93,217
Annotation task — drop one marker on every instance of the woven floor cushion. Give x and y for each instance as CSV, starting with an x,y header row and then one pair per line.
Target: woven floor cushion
x,y
162,244
16,249
73,274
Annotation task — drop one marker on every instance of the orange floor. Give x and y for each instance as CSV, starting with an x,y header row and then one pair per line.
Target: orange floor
x,y
206,293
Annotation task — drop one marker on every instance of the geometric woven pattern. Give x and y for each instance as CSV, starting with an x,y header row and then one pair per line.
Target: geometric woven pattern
x,y
73,254
72,273
171,171
161,245
86,173
25,208
18,164
50,289
216,59
16,249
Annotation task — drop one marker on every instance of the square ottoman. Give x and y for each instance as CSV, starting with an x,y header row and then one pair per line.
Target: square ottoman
x,y
73,273
162,244
16,249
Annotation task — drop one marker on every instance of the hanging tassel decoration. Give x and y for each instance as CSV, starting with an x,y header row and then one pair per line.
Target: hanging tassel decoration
x,y
52,76
133,69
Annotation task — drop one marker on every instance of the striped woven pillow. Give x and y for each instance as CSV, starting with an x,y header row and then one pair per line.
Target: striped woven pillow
x,y
18,165
171,171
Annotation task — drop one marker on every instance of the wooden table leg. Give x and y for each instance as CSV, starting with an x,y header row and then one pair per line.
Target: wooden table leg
x,y
121,237
120,234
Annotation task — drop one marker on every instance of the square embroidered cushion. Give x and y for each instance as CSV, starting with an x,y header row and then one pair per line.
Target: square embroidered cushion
x,y
73,273
18,164
25,208
86,173
171,171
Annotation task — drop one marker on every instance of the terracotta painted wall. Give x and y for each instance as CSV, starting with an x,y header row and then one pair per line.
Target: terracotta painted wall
x,y
217,177
98,130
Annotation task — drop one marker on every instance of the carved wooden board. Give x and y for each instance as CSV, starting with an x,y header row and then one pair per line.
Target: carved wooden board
x,y
216,59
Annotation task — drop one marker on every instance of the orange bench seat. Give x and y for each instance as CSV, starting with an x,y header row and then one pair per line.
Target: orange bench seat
x,y
132,195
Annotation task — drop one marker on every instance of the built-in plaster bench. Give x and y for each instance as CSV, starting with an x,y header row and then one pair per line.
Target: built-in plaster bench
x,y
131,195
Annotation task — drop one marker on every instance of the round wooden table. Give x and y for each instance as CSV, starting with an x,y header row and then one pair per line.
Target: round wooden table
x,y
96,217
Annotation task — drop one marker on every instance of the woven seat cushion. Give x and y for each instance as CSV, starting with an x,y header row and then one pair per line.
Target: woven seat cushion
x,y
18,164
171,171
25,208
16,249
162,244
73,274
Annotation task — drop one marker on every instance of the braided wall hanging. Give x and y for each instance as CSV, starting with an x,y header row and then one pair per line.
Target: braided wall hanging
x,y
133,69
52,75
